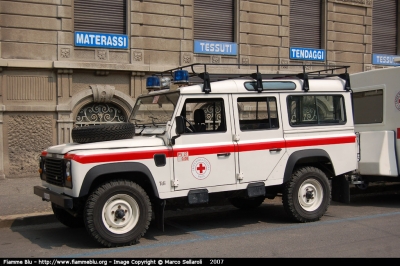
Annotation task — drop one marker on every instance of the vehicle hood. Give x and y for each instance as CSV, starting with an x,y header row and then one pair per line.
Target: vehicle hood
x,y
138,141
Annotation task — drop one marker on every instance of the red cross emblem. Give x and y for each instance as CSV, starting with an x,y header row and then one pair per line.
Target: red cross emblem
x,y
201,168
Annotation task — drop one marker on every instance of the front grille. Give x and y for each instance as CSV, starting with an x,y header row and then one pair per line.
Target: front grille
x,y
54,171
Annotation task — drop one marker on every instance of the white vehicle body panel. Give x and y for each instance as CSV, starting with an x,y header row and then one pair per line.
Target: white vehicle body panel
x,y
380,141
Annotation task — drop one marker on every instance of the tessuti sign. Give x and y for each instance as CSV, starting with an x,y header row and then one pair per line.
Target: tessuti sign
x,y
308,54
101,40
384,59
210,47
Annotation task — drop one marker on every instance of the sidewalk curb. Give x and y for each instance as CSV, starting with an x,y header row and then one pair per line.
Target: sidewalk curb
x,y
9,221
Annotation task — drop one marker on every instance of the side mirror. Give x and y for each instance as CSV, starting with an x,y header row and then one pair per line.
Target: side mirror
x,y
180,125
180,128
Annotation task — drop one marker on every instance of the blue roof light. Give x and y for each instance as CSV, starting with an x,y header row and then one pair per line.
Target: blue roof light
x,y
181,77
152,82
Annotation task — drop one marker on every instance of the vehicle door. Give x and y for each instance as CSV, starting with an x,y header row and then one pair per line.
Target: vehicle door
x,y
259,135
204,155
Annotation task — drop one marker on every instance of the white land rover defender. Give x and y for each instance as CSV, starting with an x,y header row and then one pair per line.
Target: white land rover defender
x,y
243,138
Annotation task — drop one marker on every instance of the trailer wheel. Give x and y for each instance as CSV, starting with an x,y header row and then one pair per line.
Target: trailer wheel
x,y
306,197
246,203
118,213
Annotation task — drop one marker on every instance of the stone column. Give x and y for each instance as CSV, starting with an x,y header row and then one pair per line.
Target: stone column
x,y
65,121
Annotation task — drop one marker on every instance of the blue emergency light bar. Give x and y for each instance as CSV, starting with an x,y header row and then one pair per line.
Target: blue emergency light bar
x,y
181,76
153,82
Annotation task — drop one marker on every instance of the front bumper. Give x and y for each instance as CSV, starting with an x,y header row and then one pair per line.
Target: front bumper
x,y
58,199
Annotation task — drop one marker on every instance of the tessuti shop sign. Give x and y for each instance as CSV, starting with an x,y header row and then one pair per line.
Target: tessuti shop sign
x,y
210,47
307,54
383,59
101,40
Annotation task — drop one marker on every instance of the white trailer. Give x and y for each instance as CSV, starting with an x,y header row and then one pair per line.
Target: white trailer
x,y
376,101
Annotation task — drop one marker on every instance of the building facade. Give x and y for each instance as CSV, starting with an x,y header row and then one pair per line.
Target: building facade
x,y
66,63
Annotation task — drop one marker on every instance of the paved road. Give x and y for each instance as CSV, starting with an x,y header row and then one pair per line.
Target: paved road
x,y
366,228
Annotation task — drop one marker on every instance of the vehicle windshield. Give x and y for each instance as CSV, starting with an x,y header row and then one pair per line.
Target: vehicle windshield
x,y
154,109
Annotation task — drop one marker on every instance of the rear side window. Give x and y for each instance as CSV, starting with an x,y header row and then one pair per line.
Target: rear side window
x,y
368,107
257,113
309,110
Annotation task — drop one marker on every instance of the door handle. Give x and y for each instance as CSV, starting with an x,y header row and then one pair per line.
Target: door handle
x,y
224,154
276,149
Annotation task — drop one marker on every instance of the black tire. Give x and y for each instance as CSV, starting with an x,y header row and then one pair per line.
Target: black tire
x,y
306,197
117,213
105,132
66,218
246,203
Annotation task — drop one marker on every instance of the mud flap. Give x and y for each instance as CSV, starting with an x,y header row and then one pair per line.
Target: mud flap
x,y
340,189
159,206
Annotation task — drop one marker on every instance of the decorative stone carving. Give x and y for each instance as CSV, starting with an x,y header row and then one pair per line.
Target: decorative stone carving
x,y
215,59
102,93
102,54
284,64
65,53
137,56
187,58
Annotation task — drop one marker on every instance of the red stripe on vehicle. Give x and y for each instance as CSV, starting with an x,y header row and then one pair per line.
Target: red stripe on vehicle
x,y
257,146
195,151
318,142
117,157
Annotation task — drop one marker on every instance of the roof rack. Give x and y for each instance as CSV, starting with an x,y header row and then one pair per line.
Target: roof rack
x,y
206,78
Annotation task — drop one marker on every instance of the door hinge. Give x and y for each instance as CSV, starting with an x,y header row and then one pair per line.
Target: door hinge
x,y
239,176
236,137
175,182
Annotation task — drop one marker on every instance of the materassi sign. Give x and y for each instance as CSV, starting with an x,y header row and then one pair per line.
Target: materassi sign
x,y
101,40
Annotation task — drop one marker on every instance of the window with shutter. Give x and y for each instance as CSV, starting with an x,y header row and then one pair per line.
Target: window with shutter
x,y
305,23
384,27
100,16
214,20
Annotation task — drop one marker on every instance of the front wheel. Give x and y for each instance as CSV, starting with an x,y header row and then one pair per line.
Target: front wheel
x,y
118,213
307,195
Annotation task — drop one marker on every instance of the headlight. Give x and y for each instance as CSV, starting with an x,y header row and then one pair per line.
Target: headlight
x,y
68,174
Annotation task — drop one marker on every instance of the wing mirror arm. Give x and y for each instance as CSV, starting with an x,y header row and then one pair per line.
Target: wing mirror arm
x,y
179,129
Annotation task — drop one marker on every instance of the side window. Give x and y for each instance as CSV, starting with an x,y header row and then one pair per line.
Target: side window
x,y
204,115
257,113
316,109
368,107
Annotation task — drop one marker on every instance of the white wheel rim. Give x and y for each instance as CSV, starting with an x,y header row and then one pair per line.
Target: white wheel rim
x,y
310,195
120,214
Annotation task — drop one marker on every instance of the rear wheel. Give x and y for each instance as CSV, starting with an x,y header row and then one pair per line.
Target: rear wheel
x,y
306,197
66,218
118,213
246,203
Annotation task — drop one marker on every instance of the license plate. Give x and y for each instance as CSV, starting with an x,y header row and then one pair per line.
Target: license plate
x,y
46,196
